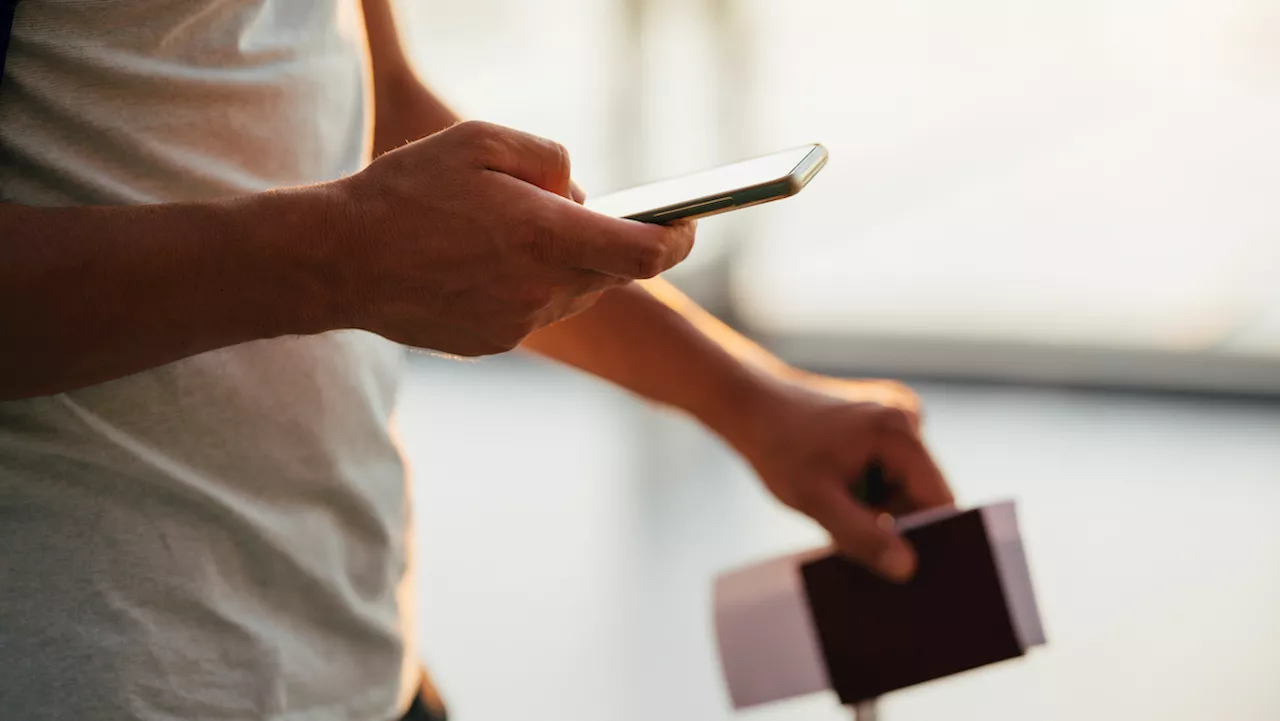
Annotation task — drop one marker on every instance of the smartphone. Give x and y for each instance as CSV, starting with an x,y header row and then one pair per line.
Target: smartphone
x,y
718,190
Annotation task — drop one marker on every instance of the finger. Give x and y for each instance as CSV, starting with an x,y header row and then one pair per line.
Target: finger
x,y
534,160
906,459
624,248
580,289
864,536
576,237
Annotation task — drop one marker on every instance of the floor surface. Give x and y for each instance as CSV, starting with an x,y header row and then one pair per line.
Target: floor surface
x,y
568,534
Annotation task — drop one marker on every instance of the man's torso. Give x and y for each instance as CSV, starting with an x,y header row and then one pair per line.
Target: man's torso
x,y
222,537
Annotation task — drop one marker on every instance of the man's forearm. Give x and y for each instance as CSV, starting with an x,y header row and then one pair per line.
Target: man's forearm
x,y
90,294
652,340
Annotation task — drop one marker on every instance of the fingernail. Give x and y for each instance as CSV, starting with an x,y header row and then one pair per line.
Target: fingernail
x,y
897,562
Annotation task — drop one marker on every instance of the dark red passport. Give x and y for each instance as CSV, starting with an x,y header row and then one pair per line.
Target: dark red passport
x,y
970,604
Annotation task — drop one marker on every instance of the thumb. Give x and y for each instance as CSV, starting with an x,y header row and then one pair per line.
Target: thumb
x,y
863,535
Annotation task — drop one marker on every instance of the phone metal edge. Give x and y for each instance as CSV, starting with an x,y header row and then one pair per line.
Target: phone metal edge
x,y
807,168
791,183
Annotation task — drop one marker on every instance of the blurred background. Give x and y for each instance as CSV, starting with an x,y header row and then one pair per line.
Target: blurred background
x,y
1059,220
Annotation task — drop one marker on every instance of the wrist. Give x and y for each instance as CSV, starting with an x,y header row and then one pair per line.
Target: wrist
x,y
745,402
295,239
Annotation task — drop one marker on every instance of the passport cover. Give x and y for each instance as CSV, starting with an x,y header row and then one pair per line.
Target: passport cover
x,y
970,604
812,621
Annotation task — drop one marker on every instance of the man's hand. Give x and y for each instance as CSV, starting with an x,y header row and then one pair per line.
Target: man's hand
x,y
811,437
470,239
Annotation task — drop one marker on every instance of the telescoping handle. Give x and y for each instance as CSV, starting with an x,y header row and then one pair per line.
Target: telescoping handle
x,y
865,710
873,488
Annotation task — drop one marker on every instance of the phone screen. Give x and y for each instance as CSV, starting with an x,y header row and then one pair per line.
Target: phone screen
x,y
708,184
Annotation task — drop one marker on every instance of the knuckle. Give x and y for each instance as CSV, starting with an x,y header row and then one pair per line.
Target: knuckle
x,y
483,139
559,158
901,393
893,418
473,129
650,260
898,394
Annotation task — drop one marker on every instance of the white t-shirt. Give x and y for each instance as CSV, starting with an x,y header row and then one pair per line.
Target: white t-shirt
x,y
224,537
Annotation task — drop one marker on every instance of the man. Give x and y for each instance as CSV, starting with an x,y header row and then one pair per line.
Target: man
x,y
203,296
